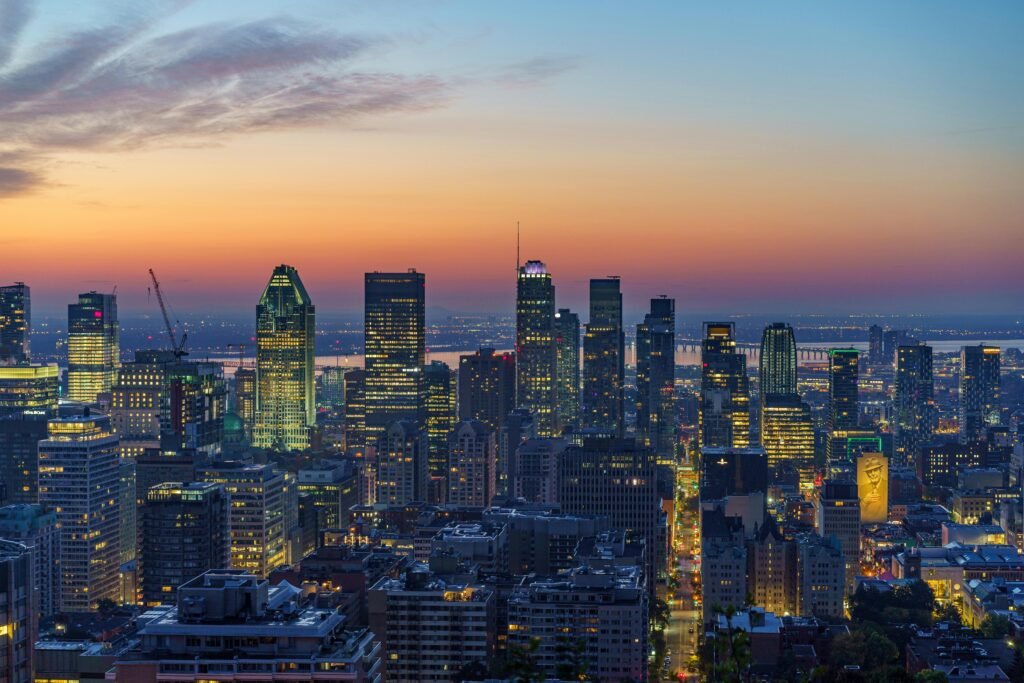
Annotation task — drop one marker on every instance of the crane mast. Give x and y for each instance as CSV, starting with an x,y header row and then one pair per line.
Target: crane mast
x,y
176,348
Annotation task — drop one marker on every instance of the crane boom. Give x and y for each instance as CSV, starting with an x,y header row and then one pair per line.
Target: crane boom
x,y
179,350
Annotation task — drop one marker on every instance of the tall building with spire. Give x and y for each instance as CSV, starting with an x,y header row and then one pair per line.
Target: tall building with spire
x,y
94,346
15,322
536,373
777,370
724,389
285,334
604,352
656,376
567,364
914,402
396,348
980,396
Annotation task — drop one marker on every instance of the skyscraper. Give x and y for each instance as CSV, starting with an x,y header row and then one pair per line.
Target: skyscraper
x,y
18,617
29,387
536,373
20,435
487,387
914,404
395,345
94,346
245,398
604,360
36,528
355,410
285,334
567,367
787,435
402,464
980,393
656,377
843,403
472,476
161,401
15,323
616,479
778,361
875,337
724,389
843,396
184,534
79,478
256,520
438,414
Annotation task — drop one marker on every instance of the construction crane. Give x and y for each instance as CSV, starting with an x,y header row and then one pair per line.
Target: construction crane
x,y
177,348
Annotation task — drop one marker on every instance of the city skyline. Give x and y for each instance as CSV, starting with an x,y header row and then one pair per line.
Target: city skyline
x,y
433,128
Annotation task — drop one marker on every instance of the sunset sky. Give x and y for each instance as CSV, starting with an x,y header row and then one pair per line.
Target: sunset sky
x,y
740,156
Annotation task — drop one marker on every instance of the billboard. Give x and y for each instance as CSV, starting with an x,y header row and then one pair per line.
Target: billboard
x,y
873,487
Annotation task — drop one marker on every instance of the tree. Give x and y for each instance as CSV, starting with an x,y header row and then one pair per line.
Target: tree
x,y
572,659
849,649
995,626
521,666
660,614
930,676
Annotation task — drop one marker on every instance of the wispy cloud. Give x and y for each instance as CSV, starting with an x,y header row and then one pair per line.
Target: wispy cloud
x,y
128,85
535,71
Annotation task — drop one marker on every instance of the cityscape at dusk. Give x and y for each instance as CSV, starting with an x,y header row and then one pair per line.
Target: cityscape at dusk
x,y
391,341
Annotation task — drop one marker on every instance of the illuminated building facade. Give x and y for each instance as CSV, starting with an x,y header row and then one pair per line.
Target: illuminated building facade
x,y
656,379
256,521
914,403
980,393
330,387
184,534
873,488
777,369
355,410
160,401
838,514
724,389
402,464
94,346
245,398
604,354
472,465
536,371
787,434
567,367
395,346
439,395
79,478
18,617
487,387
35,388
843,398
431,625
15,323
285,333
333,488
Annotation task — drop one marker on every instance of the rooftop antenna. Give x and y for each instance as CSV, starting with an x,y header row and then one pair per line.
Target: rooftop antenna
x,y
517,249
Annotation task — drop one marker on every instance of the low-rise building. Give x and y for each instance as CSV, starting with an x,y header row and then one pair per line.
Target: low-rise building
x,y
230,625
